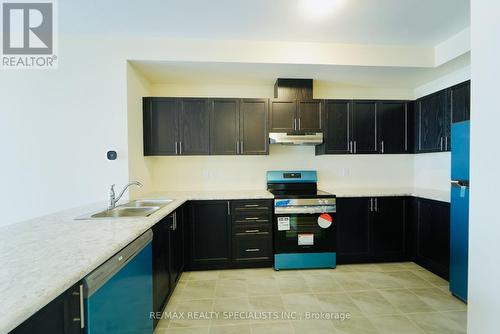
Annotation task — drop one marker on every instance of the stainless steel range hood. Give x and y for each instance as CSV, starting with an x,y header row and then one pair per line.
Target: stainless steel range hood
x,y
296,138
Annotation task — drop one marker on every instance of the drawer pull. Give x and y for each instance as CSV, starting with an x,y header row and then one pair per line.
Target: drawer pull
x,y
251,205
252,218
252,231
252,250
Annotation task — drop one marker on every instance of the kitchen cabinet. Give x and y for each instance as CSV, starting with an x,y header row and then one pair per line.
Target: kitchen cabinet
x,y
388,228
371,229
239,126
364,127
459,102
176,126
433,123
225,131
432,219
160,123
337,133
209,238
168,258
254,137
296,116
392,127
353,229
60,316
252,241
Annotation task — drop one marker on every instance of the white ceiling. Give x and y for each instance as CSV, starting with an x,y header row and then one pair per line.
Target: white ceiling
x,y
190,73
403,22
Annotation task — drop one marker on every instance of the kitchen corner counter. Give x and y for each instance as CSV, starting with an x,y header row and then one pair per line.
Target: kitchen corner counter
x,y
43,257
432,194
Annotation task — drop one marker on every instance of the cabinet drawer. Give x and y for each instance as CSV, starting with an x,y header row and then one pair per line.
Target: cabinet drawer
x,y
251,229
251,217
252,247
252,205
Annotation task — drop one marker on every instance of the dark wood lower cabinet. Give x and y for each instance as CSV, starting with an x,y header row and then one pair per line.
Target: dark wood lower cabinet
x,y
432,244
371,229
229,234
60,316
168,258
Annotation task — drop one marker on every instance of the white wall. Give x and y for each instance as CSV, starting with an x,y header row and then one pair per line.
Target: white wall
x,y
484,226
432,171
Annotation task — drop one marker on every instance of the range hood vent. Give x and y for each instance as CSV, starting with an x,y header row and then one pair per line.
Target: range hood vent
x,y
315,138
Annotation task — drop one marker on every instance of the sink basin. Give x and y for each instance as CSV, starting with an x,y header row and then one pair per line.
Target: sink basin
x,y
149,202
126,212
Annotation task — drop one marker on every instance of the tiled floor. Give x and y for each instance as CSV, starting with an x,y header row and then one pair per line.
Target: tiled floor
x,y
379,298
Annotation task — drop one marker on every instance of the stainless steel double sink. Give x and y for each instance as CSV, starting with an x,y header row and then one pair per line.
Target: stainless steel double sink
x,y
137,208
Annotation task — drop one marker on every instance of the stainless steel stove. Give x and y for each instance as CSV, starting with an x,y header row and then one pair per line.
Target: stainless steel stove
x,y
304,221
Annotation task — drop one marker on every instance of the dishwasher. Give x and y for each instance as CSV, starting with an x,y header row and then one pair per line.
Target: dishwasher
x,y
118,296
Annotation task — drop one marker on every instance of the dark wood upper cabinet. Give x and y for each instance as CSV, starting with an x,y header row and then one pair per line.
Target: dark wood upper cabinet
x,y
337,135
195,126
459,101
433,123
225,129
364,127
309,116
393,127
254,137
283,116
388,229
160,124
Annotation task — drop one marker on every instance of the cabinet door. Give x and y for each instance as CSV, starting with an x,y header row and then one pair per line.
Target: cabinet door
x,y
160,125
459,97
353,230
337,132
283,116
432,122
253,126
176,253
210,234
225,126
195,127
310,116
433,236
389,229
60,316
393,127
364,127
161,273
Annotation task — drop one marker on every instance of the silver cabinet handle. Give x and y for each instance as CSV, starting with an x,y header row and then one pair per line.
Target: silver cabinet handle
x,y
376,204
371,204
252,249
350,146
355,146
228,209
241,150
251,205
237,147
446,143
382,146
82,310
252,231
299,124
175,221
295,124
176,147
252,218
180,147
441,143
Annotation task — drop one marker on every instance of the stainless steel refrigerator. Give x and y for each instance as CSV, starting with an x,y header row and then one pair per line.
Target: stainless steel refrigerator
x,y
459,229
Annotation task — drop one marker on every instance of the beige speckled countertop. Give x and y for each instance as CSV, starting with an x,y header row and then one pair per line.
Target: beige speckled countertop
x,y
43,257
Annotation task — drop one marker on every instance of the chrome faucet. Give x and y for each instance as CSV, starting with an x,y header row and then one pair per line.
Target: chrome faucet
x,y
112,197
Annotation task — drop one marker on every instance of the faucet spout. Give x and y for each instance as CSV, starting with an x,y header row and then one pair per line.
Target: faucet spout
x,y
113,199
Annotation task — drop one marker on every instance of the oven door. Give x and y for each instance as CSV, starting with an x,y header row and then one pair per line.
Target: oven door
x,y
304,233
